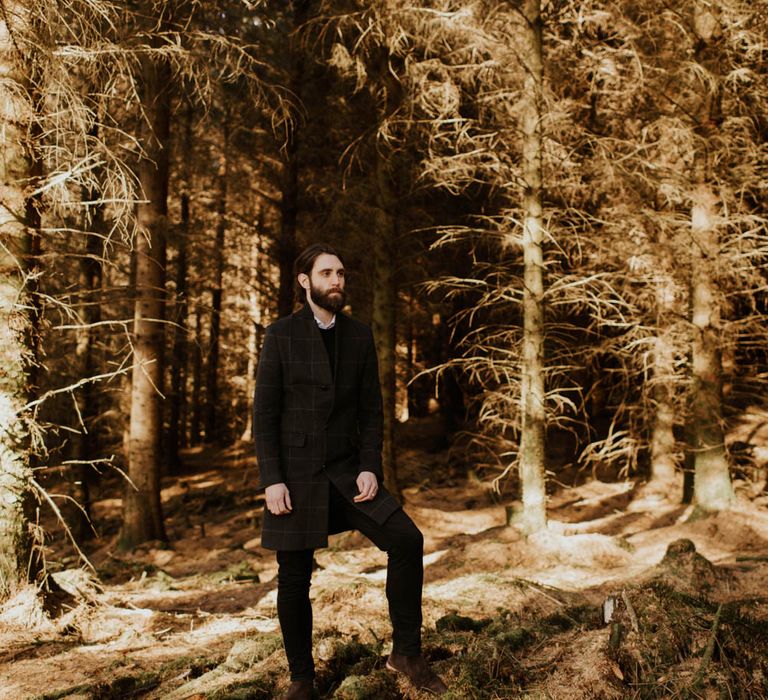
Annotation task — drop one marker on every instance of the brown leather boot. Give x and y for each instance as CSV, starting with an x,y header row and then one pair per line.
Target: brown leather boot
x,y
418,671
299,690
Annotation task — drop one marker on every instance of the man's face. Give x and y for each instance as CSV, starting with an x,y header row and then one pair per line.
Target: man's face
x,y
326,283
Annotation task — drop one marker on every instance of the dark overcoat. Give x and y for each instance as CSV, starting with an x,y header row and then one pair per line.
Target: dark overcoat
x,y
312,425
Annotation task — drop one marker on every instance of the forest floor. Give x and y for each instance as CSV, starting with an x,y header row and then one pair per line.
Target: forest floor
x,y
505,616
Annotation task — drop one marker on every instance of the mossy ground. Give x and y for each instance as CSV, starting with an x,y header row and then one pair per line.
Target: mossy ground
x,y
504,616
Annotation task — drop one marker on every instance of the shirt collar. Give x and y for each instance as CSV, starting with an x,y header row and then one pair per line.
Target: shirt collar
x,y
326,326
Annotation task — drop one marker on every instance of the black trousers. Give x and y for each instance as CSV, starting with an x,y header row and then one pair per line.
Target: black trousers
x,y
404,544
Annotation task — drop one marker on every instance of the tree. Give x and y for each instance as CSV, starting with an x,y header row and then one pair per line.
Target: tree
x,y
201,47
177,433
487,142
142,511
212,366
386,235
89,283
18,561
289,200
532,391
712,483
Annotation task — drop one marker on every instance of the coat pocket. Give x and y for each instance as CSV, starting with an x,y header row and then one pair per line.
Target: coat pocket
x,y
293,439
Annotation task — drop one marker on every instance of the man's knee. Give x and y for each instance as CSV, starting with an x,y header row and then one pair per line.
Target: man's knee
x,y
408,540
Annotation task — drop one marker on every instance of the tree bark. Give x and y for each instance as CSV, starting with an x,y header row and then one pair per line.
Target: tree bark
x,y
19,562
532,396
286,245
90,281
384,313
176,427
212,366
195,435
177,397
142,512
289,204
256,331
663,443
712,487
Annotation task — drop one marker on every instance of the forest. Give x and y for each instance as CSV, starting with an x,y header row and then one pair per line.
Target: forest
x,y
553,215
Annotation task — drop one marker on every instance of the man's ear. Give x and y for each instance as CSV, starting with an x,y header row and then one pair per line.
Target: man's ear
x,y
303,280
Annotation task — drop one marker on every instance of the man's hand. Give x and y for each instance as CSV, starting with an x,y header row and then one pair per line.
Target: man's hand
x,y
368,485
278,499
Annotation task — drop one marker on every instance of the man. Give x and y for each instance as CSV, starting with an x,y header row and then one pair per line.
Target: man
x,y
318,431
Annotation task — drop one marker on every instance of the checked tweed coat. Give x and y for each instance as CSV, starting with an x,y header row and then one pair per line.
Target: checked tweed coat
x,y
312,425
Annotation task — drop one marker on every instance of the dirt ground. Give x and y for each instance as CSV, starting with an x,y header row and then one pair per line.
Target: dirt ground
x,y
598,606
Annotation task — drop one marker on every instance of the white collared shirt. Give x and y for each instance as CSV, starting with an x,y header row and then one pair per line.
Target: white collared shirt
x,y
326,326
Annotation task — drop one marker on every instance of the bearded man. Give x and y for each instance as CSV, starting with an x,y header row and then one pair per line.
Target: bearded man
x,y
318,428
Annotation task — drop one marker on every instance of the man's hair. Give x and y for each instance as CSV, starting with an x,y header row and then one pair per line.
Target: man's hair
x,y
306,261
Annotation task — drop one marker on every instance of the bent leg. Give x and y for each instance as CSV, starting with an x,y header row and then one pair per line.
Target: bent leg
x,y
294,610
404,544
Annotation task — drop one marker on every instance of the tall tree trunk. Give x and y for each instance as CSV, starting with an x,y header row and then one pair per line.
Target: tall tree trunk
x,y
408,407
289,205
713,490
384,312
142,512
712,486
256,330
195,435
177,398
18,165
286,245
90,282
212,367
663,443
532,397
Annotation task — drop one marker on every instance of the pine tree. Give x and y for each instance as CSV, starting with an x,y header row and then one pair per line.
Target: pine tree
x,y
18,163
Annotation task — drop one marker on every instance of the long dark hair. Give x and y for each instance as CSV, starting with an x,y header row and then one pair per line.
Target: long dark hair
x,y
306,261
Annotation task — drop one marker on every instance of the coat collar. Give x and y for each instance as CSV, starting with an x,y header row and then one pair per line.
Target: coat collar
x,y
305,312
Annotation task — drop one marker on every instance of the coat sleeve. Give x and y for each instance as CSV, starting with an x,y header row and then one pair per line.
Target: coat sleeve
x,y
370,414
267,407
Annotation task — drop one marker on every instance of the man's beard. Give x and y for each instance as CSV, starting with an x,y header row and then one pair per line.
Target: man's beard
x,y
332,301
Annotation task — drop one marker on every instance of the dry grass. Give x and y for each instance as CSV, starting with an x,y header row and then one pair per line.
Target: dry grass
x,y
195,622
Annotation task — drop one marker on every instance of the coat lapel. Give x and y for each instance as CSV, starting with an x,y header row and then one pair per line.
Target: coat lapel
x,y
341,325
318,356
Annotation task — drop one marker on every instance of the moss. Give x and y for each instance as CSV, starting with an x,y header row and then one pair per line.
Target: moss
x,y
197,665
458,623
513,639
507,632
485,669
589,616
126,687
585,616
134,686
66,692
242,571
347,658
380,685
261,688
559,621
247,652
